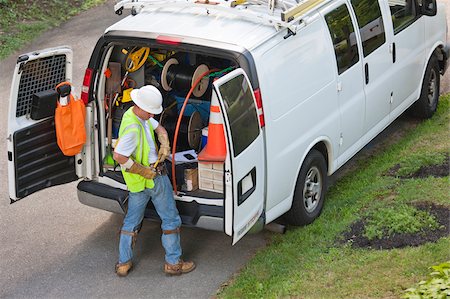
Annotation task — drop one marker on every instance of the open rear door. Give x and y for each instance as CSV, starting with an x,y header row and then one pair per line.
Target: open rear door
x,y
35,161
244,165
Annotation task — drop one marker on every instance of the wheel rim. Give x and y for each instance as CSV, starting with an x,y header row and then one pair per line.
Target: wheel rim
x,y
432,88
312,190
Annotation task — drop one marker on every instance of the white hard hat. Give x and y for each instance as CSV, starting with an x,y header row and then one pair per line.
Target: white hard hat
x,y
148,98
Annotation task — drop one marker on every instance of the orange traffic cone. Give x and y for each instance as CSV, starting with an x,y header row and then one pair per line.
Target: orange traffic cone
x,y
215,149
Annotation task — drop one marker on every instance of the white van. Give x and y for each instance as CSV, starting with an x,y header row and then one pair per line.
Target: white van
x,y
301,88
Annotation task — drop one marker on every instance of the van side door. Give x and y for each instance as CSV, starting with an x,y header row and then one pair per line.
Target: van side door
x,y
408,52
377,62
350,76
35,161
244,167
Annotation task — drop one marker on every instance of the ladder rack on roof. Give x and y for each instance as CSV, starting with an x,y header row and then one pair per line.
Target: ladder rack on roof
x,y
292,13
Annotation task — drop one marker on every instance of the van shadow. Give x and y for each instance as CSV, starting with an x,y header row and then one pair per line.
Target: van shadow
x,y
87,270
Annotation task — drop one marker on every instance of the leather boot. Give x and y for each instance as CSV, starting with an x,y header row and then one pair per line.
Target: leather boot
x,y
179,268
123,269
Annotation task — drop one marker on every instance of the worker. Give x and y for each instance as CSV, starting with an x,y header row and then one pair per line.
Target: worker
x,y
136,152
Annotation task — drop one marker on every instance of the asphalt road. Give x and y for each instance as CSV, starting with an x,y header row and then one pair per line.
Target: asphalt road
x,y
54,247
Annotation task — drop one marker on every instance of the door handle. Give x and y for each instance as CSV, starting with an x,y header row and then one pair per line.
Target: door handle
x,y
366,70
393,53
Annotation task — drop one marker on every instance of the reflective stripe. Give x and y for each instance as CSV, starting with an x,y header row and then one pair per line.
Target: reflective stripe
x,y
215,117
215,109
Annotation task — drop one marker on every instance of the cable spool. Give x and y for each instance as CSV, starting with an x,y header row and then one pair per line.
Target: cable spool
x,y
190,132
182,77
136,58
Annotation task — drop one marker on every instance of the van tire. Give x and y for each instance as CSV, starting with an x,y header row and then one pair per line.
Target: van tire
x,y
304,210
427,103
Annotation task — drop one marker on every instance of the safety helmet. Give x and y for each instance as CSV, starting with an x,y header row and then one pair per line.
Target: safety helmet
x,y
148,98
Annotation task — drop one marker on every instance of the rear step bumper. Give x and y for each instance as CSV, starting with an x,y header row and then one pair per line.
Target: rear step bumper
x,y
102,196
111,199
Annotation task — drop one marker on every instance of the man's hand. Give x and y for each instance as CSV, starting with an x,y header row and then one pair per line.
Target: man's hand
x,y
164,149
142,170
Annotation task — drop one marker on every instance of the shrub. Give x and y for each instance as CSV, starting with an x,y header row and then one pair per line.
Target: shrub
x,y
437,286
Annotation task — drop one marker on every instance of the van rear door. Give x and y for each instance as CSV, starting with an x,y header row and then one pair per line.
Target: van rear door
x,y
244,166
35,161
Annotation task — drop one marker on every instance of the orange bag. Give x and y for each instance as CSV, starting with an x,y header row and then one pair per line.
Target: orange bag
x,y
69,124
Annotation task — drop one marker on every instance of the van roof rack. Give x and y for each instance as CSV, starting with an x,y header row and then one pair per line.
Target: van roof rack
x,y
292,13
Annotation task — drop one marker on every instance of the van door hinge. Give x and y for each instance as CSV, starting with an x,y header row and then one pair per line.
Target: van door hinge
x,y
339,86
392,98
9,138
227,176
341,140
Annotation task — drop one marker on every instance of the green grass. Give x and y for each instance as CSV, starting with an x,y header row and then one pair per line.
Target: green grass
x,y
386,220
21,21
412,163
308,262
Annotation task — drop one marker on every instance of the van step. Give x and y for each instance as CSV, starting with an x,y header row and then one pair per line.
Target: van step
x,y
102,196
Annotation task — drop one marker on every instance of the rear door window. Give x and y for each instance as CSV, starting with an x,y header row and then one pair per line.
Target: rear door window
x,y
370,22
241,110
343,37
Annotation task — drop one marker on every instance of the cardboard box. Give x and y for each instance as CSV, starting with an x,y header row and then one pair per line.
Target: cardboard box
x,y
191,179
210,177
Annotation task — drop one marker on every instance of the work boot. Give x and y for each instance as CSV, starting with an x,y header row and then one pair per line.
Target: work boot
x,y
122,269
179,268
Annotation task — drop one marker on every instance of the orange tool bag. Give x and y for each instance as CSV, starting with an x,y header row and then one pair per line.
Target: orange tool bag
x,y
69,121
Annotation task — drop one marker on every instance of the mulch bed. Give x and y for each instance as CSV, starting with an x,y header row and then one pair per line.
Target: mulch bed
x,y
438,171
441,213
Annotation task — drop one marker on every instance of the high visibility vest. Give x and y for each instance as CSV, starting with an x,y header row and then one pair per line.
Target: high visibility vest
x,y
130,123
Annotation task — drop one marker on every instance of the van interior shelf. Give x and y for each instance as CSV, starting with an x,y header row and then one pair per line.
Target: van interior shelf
x,y
288,14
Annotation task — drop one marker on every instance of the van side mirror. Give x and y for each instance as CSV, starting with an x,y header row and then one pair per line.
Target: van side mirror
x,y
428,7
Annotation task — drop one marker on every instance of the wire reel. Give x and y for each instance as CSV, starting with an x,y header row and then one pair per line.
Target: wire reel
x,y
136,59
190,129
182,77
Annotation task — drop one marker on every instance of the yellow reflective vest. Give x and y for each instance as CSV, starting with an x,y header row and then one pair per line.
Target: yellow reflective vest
x,y
130,123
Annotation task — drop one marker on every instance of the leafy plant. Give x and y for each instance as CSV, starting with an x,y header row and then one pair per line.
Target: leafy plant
x,y
384,221
437,286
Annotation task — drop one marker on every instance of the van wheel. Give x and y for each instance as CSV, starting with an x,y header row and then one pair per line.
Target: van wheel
x,y
426,105
309,191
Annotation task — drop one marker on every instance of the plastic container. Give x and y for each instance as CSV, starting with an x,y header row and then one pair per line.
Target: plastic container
x,y
204,137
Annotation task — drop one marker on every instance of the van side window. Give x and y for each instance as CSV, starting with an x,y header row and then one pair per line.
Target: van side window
x,y
241,110
343,37
403,13
370,23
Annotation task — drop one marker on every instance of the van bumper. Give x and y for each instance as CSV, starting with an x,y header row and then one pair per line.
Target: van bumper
x,y
102,196
114,200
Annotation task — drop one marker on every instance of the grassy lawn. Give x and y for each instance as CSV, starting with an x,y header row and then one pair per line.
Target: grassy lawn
x,y
23,20
310,262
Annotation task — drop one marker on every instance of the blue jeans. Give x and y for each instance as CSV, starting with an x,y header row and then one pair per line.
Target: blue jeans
x,y
162,198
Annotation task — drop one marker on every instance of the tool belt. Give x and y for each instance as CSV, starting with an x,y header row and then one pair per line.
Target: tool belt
x,y
161,169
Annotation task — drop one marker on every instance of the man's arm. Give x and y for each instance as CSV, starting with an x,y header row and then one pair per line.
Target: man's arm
x,y
163,138
121,159
134,167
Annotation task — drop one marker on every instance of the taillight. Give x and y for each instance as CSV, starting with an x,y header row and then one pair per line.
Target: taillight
x,y
86,84
168,40
257,93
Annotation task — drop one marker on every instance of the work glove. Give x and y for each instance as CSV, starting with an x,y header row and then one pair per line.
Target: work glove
x,y
164,149
142,170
